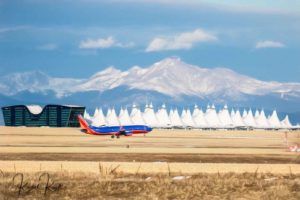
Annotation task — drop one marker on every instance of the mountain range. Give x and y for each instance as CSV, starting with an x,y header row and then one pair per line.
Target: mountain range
x,y
169,81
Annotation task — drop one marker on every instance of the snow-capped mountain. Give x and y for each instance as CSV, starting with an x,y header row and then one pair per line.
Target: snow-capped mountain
x,y
170,77
36,82
169,81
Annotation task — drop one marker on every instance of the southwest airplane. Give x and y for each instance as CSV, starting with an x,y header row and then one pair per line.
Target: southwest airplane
x,y
113,130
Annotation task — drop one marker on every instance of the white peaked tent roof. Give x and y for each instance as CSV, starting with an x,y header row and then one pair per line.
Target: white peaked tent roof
x,y
195,111
96,112
94,119
297,126
225,118
163,117
98,119
187,119
249,119
262,121
183,113
102,117
86,115
149,116
274,120
245,113
199,119
121,112
108,112
182,116
107,115
124,117
211,117
256,115
171,113
136,116
175,118
232,113
237,119
112,119
285,123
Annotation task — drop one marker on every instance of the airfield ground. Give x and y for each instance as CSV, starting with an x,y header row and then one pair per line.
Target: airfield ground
x,y
208,164
221,151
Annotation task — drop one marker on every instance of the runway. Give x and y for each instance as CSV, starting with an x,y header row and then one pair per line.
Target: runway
x,y
167,146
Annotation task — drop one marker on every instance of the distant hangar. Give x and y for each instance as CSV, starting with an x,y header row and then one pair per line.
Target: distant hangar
x,y
36,116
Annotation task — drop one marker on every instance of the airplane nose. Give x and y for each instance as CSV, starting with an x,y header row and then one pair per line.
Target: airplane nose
x,y
149,129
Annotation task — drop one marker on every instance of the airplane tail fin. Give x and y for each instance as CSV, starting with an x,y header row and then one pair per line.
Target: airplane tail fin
x,y
82,122
85,126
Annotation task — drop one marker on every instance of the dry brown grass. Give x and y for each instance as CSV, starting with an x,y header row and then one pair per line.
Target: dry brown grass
x,y
114,185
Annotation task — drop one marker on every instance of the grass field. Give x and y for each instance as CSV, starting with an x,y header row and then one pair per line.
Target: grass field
x,y
149,186
221,164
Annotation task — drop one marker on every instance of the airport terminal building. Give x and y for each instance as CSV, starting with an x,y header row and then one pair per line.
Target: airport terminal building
x,y
49,115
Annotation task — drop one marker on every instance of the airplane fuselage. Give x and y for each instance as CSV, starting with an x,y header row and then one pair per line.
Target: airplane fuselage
x,y
109,130
126,130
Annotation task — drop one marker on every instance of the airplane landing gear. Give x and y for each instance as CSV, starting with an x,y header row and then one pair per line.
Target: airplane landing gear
x,y
113,136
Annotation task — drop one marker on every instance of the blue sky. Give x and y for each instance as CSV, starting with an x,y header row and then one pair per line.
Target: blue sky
x,y
65,38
